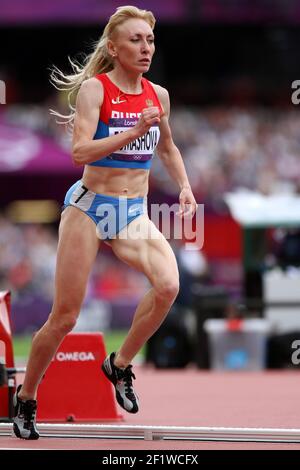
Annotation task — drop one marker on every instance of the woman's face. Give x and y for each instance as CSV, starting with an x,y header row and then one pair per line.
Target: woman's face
x,y
133,45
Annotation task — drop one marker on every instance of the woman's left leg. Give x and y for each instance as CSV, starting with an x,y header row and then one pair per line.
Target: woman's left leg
x,y
152,255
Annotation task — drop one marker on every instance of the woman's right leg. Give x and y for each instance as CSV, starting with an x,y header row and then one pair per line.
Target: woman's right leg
x,y
77,248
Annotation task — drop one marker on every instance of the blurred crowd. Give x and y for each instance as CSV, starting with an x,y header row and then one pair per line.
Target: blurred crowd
x,y
223,148
28,256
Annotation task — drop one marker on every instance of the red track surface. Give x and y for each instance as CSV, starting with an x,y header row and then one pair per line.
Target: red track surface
x,y
190,397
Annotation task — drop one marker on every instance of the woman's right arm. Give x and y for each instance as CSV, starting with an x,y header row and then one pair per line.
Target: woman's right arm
x,y
88,104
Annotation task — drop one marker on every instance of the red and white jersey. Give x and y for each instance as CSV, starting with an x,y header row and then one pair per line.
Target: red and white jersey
x,y
119,111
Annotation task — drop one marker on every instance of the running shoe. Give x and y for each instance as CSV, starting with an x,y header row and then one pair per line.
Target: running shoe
x,y
24,417
122,381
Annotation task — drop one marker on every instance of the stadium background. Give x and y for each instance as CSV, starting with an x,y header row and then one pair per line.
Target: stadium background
x,y
229,68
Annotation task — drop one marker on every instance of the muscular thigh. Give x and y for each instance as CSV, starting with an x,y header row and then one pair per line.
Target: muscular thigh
x,y
150,254
77,248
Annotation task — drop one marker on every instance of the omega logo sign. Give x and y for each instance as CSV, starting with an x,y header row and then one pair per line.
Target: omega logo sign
x,y
75,356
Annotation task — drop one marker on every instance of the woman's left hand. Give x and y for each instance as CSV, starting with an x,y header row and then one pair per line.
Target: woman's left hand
x,y
188,205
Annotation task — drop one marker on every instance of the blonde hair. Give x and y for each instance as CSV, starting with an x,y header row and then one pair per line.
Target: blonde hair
x,y
99,61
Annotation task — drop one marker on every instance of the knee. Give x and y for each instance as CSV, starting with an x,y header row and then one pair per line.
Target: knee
x,y
67,324
63,323
168,289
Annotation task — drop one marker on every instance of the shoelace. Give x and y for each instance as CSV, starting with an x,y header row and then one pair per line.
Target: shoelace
x,y
28,410
126,376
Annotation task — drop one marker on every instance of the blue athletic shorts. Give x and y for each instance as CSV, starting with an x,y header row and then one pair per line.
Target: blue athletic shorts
x,y
110,214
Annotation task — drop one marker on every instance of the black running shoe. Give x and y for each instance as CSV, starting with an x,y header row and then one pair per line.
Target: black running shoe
x,y
24,417
122,381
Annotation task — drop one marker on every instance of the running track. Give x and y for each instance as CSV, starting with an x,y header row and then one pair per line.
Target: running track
x,y
191,397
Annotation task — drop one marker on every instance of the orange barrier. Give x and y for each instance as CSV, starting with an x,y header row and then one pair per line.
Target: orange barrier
x,y
74,388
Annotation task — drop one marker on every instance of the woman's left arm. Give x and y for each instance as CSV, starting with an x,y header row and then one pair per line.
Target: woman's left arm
x,y
171,157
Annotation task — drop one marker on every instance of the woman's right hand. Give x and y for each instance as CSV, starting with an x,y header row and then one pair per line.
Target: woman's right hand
x,y
148,118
